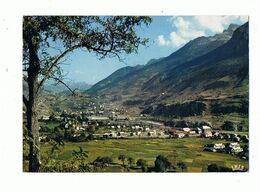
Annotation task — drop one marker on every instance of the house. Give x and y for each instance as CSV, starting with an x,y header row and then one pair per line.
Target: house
x,y
235,147
192,132
98,118
179,134
186,129
205,128
138,133
210,147
198,130
113,134
152,133
219,146
45,118
238,168
207,133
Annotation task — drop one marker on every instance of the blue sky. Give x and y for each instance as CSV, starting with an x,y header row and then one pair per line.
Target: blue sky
x,y
166,34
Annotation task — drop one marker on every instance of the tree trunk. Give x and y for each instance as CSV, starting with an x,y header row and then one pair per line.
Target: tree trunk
x,y
32,120
32,123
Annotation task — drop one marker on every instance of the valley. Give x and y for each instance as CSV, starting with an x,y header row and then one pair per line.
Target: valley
x,y
189,110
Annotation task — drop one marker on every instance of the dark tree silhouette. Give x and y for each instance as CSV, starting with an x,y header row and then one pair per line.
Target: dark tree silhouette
x,y
161,164
182,165
143,164
130,161
104,36
122,158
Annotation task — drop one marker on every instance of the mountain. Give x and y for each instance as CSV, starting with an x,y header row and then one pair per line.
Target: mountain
x,y
202,62
59,88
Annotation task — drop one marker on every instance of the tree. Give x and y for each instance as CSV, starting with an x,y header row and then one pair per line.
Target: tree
x,y
122,158
80,155
104,36
130,161
213,168
102,161
229,125
161,164
182,165
143,164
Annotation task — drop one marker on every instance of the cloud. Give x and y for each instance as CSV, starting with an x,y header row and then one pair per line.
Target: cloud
x,y
162,41
185,31
176,39
218,23
191,27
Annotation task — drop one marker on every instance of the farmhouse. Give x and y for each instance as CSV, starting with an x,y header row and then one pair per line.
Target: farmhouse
x,y
207,133
45,118
235,147
219,146
179,134
186,129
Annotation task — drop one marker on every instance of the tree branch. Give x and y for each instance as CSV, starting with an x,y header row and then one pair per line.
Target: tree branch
x,y
63,83
54,63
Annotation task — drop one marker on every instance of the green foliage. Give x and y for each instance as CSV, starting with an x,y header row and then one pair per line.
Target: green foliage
x,y
130,161
143,164
216,168
102,161
229,126
226,107
188,150
161,164
80,155
122,158
182,165
183,109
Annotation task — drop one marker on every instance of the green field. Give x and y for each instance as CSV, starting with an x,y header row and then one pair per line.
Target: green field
x,y
188,150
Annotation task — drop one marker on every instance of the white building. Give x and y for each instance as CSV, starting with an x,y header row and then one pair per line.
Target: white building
x,y
219,146
186,129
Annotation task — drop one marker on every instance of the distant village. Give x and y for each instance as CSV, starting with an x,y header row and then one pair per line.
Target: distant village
x,y
97,123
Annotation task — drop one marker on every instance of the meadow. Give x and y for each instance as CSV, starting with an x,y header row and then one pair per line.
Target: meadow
x,y
188,150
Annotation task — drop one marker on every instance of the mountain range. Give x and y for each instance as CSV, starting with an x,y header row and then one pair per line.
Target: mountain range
x,y
206,68
59,88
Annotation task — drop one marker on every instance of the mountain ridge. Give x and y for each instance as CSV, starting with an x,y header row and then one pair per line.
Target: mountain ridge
x,y
215,82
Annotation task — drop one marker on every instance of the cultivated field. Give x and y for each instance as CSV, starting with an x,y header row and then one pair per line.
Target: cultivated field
x,y
188,150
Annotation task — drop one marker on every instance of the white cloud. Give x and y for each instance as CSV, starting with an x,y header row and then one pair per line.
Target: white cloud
x,y
176,39
217,24
185,31
188,28
162,41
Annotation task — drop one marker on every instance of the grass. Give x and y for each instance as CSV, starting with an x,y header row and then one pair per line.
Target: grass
x,y
49,124
188,150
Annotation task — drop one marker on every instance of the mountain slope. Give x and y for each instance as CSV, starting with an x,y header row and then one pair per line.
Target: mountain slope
x,y
131,78
205,68
226,66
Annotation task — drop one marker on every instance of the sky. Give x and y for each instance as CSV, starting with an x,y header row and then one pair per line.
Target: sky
x,y
166,34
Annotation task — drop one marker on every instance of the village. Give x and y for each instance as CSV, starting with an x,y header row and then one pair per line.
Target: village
x,y
98,123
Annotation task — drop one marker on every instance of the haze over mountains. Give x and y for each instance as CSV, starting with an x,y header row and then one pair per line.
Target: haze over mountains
x,y
59,88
